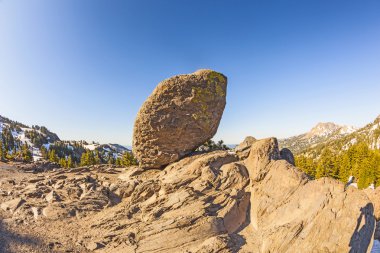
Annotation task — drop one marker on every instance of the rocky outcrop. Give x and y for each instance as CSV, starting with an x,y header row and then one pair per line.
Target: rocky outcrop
x,y
243,149
374,196
287,155
289,211
198,204
182,113
215,203
210,202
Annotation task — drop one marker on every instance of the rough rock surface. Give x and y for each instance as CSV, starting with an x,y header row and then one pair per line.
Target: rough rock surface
x,y
374,196
243,149
289,211
195,205
287,155
204,203
182,113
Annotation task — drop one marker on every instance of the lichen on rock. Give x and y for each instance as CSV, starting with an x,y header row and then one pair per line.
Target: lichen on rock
x,y
181,114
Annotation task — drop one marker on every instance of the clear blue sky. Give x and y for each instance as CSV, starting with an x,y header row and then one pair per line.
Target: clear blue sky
x,y
83,67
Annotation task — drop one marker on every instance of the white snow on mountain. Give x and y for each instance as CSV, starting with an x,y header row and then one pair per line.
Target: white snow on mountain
x,y
91,146
344,130
20,133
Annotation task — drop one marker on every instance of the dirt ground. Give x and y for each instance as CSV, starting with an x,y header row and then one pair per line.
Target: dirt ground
x,y
55,207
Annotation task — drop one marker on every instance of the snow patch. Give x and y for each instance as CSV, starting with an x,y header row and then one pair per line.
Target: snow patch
x,y
90,146
347,130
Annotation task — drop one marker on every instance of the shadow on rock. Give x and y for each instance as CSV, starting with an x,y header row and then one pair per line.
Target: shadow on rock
x,y
361,238
12,242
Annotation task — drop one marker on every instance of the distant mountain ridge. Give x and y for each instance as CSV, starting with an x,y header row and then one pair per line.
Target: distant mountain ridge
x,y
320,133
340,154
14,134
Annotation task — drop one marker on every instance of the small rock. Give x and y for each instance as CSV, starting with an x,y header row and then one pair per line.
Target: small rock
x,y
60,184
12,205
52,197
94,246
287,155
36,212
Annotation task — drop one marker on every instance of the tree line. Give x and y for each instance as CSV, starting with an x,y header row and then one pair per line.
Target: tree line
x,y
72,157
11,149
358,160
66,154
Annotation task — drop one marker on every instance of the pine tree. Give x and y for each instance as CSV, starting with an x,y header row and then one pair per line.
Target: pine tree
x,y
307,165
26,154
2,151
128,159
84,159
69,162
53,157
345,167
87,158
44,152
111,159
358,161
62,162
118,162
91,158
97,158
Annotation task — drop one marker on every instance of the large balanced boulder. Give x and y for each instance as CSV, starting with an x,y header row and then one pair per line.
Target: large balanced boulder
x,y
181,114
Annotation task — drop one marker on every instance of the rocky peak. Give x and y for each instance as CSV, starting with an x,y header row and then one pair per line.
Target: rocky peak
x,y
377,120
323,129
328,128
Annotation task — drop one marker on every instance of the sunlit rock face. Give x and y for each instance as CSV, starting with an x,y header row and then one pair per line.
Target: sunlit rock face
x,y
181,114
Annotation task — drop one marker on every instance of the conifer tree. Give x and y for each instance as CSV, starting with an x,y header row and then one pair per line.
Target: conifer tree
x,y
53,157
118,161
62,162
111,159
44,152
358,161
69,162
26,154
128,159
91,158
84,159
2,151
97,158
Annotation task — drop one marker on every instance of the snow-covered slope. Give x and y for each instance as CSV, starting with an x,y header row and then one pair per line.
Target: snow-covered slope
x,y
114,148
37,137
26,135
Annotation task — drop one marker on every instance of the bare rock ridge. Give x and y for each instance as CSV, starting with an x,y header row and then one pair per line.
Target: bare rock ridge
x,y
250,200
289,211
215,202
210,202
243,149
182,113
